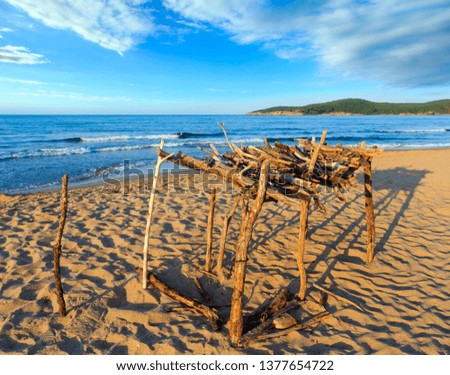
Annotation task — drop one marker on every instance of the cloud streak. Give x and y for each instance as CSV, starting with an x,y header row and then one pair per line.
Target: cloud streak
x,y
69,95
396,42
21,81
117,25
20,55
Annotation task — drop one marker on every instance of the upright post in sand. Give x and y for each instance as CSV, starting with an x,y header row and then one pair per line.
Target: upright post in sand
x,y
223,238
370,216
304,208
245,235
57,249
209,230
150,211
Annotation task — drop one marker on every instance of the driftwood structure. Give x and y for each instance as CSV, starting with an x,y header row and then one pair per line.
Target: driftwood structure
x,y
297,175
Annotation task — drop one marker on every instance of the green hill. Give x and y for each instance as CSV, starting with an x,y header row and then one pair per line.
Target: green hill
x,y
360,107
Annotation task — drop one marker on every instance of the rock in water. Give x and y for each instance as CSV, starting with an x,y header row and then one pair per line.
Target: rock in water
x,y
284,321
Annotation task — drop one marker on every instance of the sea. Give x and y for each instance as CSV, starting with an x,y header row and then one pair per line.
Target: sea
x,y
36,151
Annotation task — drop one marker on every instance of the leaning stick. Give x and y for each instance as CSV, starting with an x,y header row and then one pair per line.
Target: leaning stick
x,y
226,136
296,327
316,152
338,297
150,211
212,317
304,208
209,230
245,235
223,238
57,249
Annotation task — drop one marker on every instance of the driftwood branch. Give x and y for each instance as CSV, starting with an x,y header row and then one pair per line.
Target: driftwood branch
x,y
267,325
212,317
338,297
233,147
161,160
265,312
223,238
296,327
316,152
57,249
209,230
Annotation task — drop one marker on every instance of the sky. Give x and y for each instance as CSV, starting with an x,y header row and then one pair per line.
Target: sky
x,y
218,56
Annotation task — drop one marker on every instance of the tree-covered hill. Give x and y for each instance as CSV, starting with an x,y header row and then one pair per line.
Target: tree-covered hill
x,y
360,107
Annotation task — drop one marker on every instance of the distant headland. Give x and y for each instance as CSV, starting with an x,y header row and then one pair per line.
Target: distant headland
x,y
349,107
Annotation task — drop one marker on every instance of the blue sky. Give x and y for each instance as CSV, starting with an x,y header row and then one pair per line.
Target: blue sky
x,y
218,56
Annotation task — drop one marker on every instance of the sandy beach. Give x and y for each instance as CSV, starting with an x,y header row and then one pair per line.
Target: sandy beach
x,y
404,294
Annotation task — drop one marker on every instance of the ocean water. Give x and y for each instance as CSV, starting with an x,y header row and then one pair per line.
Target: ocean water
x,y
35,151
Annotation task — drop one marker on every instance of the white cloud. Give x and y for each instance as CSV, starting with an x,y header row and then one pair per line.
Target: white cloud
x,y
20,55
21,81
4,30
117,25
401,43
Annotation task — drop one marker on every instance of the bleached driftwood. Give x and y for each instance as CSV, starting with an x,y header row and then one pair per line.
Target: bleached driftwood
x,y
316,152
161,160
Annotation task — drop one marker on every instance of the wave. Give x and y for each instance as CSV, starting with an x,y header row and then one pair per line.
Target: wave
x,y
46,152
413,146
128,137
185,135
400,131
69,151
115,138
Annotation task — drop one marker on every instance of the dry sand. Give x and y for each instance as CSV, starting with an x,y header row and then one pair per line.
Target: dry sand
x,y
405,292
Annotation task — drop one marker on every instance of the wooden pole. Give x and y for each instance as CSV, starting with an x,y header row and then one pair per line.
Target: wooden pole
x,y
370,215
223,238
57,249
160,160
245,235
304,208
209,230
